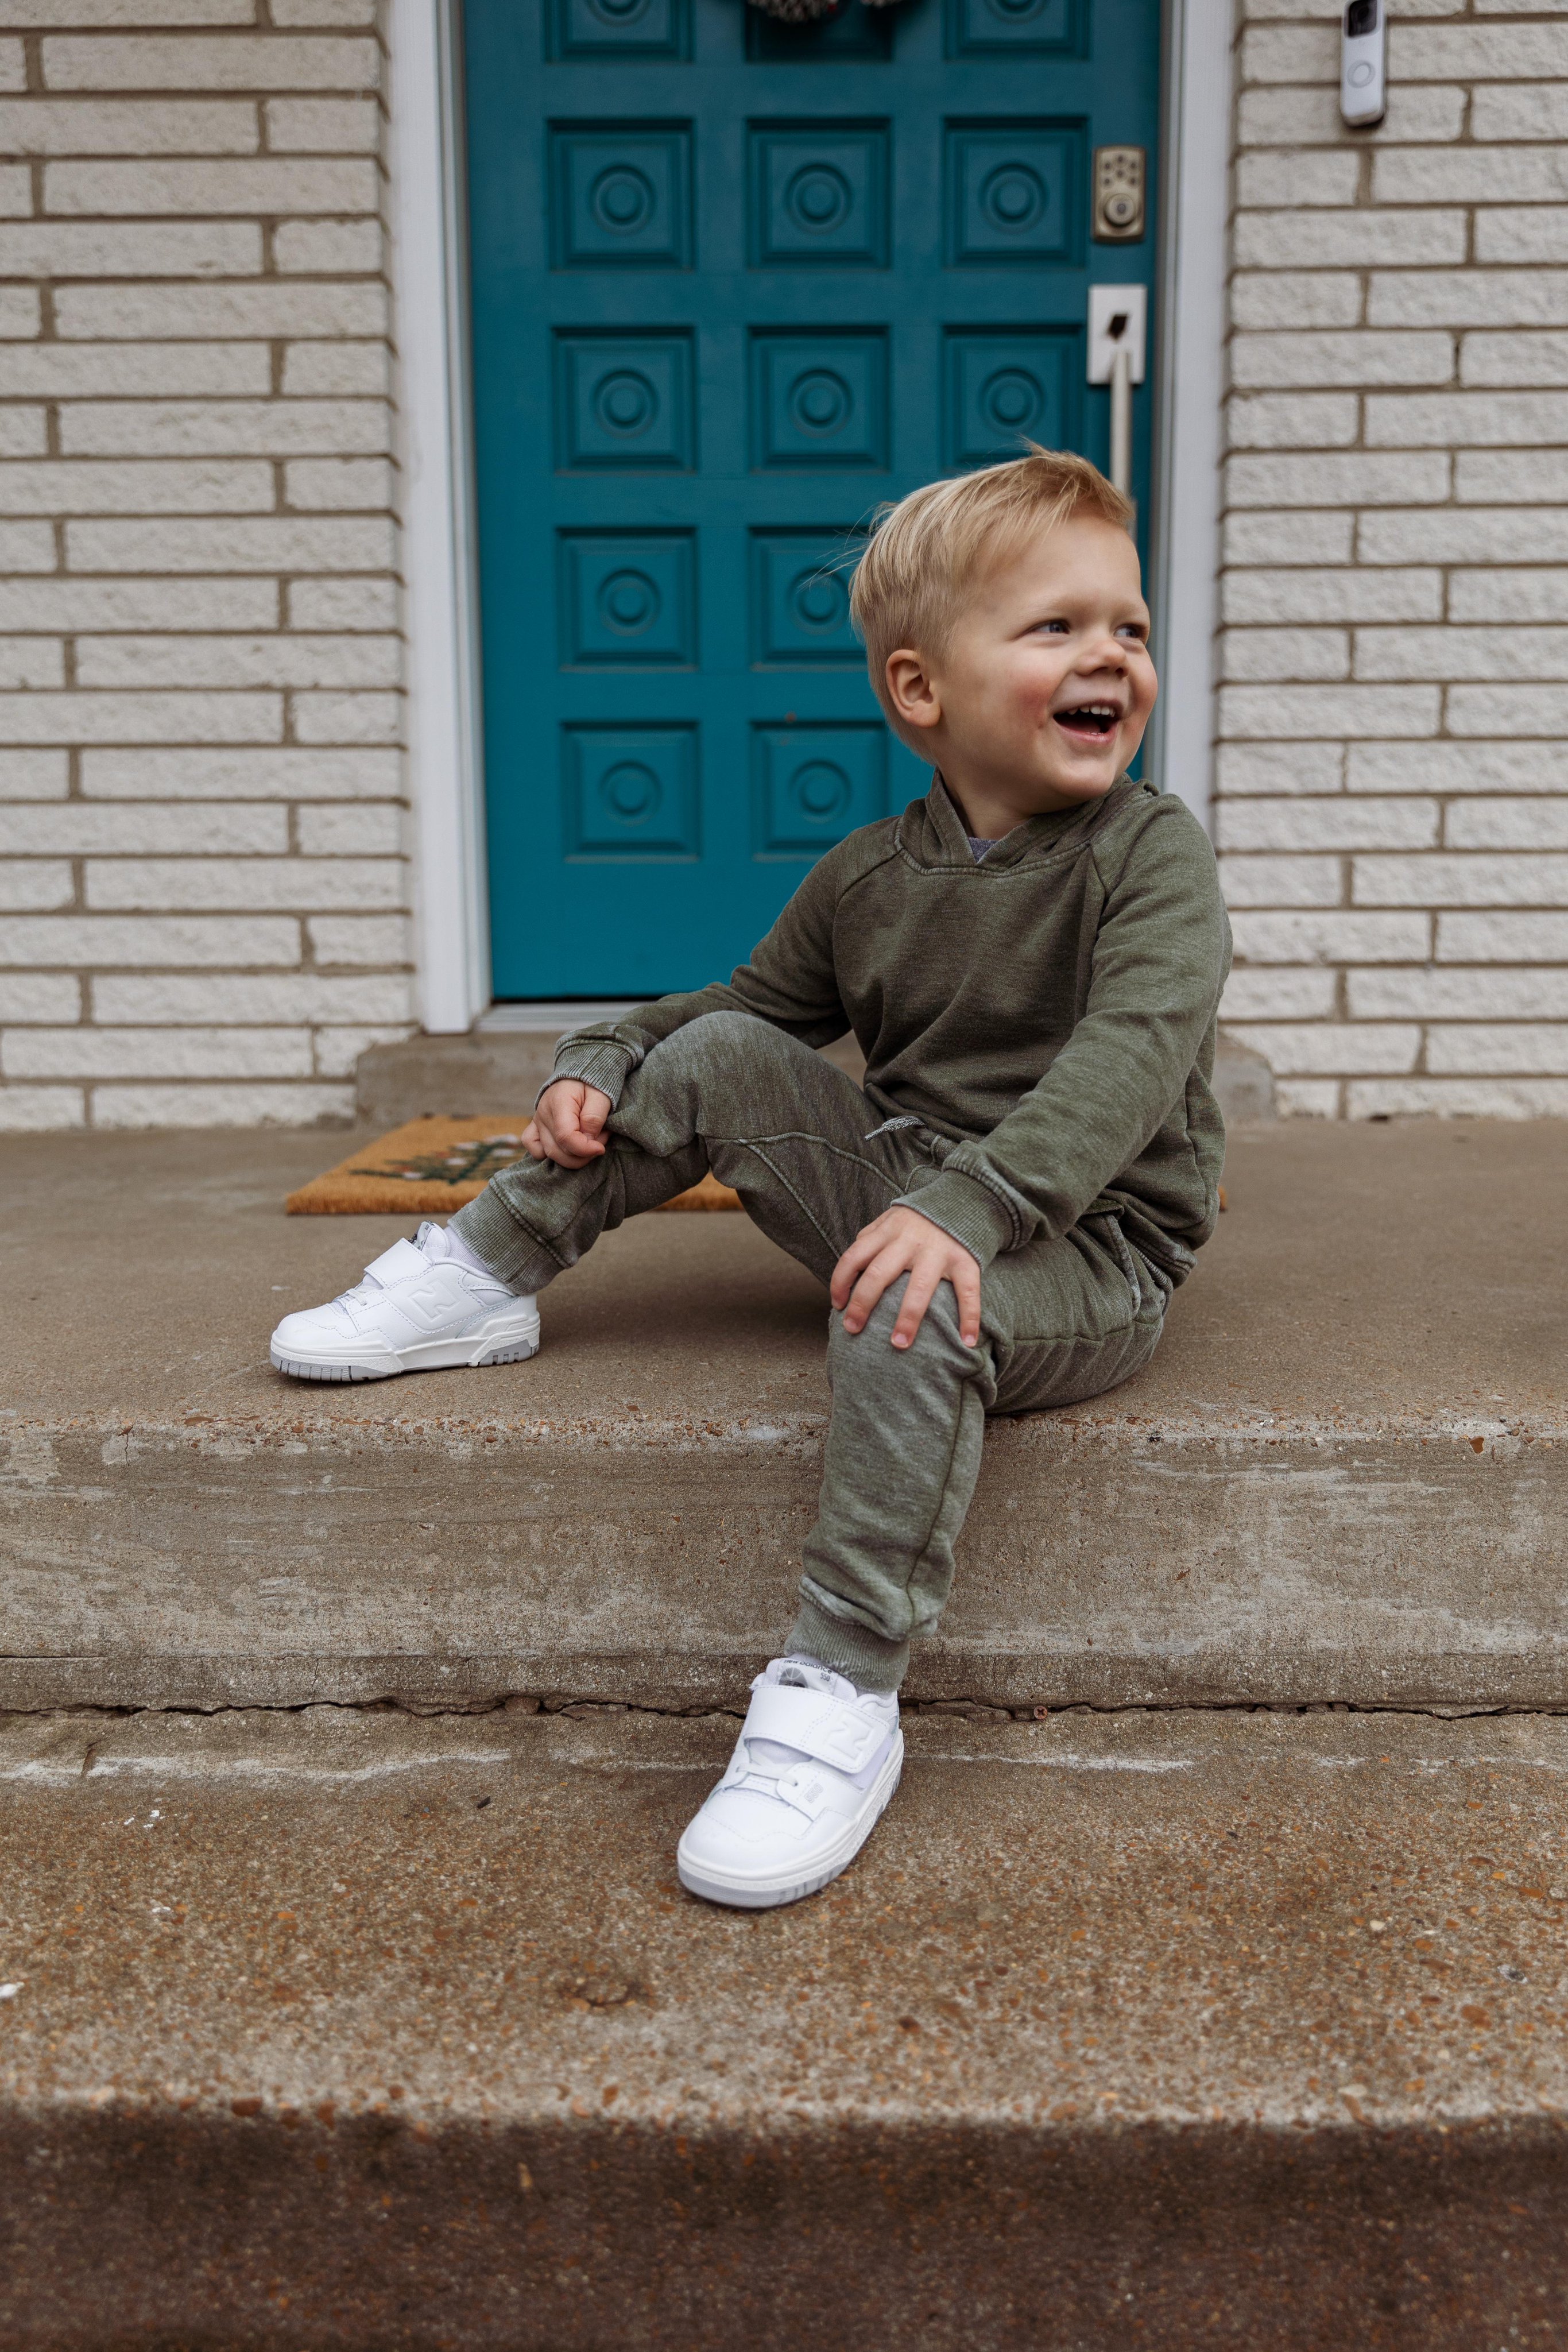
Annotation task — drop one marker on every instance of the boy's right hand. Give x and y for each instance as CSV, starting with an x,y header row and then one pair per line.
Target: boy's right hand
x,y
568,1124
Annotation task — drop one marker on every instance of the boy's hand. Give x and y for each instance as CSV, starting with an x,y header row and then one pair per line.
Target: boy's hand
x,y
568,1124
901,1241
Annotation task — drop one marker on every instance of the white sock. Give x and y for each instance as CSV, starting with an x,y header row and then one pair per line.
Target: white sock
x,y
439,1242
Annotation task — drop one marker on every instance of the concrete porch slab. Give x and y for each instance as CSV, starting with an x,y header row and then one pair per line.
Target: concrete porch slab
x,y
1344,1476
1196,2032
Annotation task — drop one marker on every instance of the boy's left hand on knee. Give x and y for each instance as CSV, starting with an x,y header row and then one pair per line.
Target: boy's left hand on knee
x,y
901,1241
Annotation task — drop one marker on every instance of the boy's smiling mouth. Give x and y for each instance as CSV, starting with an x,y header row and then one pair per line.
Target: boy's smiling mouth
x,y
1089,722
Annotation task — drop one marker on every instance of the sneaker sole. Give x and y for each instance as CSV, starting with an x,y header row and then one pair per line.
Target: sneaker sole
x,y
442,1355
768,1894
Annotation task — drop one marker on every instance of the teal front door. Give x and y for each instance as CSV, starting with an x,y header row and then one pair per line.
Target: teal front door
x,y
734,283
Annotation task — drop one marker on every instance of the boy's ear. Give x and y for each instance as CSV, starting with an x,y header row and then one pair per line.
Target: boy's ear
x,y
913,697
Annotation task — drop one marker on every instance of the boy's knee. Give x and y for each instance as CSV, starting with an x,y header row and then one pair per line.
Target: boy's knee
x,y
868,1357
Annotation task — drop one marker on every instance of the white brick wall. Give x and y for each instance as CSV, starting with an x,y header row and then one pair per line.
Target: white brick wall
x,y
202,861
1393,776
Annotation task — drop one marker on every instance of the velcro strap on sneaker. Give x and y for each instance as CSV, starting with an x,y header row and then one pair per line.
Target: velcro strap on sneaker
x,y
397,1264
818,1725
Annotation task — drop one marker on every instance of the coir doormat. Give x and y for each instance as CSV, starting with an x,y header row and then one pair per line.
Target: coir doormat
x,y
433,1165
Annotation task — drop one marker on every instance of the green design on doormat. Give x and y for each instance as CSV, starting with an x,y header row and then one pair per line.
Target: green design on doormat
x,y
461,1163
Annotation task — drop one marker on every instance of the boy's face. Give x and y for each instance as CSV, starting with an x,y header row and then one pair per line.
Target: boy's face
x,y
1046,686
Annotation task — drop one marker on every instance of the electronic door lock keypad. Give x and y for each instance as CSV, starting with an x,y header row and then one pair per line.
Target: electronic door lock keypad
x,y
1119,199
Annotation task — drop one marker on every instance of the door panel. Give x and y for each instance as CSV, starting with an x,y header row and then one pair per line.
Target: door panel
x,y
736,283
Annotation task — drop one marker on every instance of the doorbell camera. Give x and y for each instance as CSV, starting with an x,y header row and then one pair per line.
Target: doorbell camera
x,y
1363,49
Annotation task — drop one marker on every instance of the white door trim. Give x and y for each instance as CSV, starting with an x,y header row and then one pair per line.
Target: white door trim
x,y
441,607
445,765
1189,390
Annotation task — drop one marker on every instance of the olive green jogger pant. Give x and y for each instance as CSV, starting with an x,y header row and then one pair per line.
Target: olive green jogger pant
x,y
1060,1321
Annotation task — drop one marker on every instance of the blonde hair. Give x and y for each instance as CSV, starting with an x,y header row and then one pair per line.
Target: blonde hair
x,y
926,554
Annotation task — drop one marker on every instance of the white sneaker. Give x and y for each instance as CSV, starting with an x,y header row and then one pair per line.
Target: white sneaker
x,y
421,1308
812,1770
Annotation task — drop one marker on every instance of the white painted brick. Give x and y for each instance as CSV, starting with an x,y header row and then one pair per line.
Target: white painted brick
x,y
1496,1048
297,1105
1279,767
223,940
141,718
1524,594
281,659
278,544
323,126
325,369
84,1053
337,1050
1325,594
1292,420
1338,823
342,604
21,314
345,485
1331,937
1442,419
13,66
1526,233
1480,993
1458,768
274,999
1457,1098
1508,710
1307,1097
1539,822
290,14
47,248
36,662
1534,480
83,829
1297,537
128,126
34,775
283,774
1349,240
273,428
39,996
236,62
358,938
347,718
348,829
1469,175
40,1108
1507,112
1469,298
26,547
1298,175
1356,356
1295,298
316,248
1284,654
79,371
1280,712
258,884
24,432
1279,995
1502,939
1463,653
257,184
33,885
77,604
45,16
1522,358
1282,881
83,486
1457,536
1528,52
1295,117
1347,478
1289,53
1302,1049
15,192
1442,878
143,312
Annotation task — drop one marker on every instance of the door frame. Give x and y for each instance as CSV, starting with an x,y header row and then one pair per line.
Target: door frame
x,y
440,596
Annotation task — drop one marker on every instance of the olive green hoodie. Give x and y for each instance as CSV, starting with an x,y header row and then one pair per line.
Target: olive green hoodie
x,y
1048,1014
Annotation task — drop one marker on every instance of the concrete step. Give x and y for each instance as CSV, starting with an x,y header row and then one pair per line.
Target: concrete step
x,y
1344,1478
348,2029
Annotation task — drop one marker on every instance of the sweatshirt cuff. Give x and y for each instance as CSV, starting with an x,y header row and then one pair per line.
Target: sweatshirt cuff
x,y
964,1209
597,1061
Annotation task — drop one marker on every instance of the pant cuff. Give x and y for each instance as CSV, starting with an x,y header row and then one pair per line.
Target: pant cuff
x,y
869,1660
492,1233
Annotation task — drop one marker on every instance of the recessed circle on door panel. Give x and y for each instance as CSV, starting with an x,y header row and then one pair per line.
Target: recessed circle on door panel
x,y
820,791
819,601
1011,401
621,199
619,12
819,198
628,602
633,791
1013,198
626,403
820,401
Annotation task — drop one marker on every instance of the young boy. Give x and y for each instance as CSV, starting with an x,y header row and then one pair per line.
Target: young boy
x,y
1031,958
